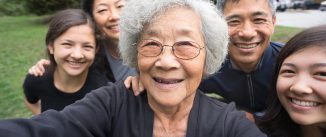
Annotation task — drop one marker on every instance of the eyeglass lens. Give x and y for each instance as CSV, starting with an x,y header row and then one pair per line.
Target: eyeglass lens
x,y
181,49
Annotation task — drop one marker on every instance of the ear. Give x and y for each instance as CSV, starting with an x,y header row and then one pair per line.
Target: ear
x,y
274,20
50,48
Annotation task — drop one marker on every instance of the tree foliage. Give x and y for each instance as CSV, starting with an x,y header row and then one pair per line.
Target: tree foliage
x,y
12,7
42,7
38,7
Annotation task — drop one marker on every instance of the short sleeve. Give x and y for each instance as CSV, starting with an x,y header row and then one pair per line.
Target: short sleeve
x,y
29,89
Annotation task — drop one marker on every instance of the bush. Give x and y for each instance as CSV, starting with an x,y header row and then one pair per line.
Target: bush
x,y
12,7
43,7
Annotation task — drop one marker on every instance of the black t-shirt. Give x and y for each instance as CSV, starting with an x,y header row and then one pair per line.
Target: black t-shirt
x,y
43,88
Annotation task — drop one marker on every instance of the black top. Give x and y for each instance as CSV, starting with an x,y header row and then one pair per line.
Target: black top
x,y
248,90
43,88
113,111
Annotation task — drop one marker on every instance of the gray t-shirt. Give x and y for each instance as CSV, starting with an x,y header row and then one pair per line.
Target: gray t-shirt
x,y
120,71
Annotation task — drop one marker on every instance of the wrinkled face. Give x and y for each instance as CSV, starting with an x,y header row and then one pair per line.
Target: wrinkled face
x,y
74,50
171,81
301,85
251,25
107,15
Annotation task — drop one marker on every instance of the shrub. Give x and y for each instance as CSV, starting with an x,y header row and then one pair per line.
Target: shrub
x,y
43,7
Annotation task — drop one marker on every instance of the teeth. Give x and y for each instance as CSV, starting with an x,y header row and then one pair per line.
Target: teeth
x,y
246,46
74,62
114,27
167,81
304,103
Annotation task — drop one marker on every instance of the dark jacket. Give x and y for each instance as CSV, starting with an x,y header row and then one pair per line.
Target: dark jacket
x,y
248,90
113,111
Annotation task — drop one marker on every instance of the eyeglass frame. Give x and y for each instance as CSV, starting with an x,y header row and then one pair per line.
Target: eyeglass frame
x,y
198,47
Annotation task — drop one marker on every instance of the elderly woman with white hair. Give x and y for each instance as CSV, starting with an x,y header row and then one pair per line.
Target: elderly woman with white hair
x,y
173,44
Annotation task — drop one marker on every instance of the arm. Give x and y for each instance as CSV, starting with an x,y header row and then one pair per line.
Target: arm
x,y
241,125
38,69
89,117
34,108
137,86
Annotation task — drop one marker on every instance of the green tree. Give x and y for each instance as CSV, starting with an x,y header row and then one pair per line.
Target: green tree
x,y
12,7
42,7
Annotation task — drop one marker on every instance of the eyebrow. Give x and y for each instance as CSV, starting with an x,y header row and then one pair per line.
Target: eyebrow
x,y
153,32
319,65
288,64
232,16
104,4
71,41
258,13
316,65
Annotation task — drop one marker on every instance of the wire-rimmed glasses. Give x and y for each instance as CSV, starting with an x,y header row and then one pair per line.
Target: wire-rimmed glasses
x,y
182,49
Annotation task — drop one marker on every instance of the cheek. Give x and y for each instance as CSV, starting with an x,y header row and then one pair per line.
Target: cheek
x,y
143,64
267,30
90,55
99,20
232,31
282,86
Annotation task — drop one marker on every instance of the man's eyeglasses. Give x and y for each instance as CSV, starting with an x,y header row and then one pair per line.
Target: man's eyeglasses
x,y
181,49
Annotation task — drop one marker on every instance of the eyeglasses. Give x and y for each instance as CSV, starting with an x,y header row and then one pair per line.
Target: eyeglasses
x,y
182,49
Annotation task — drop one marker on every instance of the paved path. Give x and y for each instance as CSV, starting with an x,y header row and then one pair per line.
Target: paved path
x,y
301,18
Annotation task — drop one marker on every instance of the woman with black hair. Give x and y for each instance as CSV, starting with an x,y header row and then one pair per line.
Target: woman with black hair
x,y
298,105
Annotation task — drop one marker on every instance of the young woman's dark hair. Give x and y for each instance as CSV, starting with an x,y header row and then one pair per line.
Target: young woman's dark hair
x,y
60,23
276,122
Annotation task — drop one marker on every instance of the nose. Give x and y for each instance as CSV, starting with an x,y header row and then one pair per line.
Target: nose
x,y
77,53
301,86
166,60
247,31
115,15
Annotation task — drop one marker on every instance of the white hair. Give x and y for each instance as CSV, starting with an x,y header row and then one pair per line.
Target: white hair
x,y
139,13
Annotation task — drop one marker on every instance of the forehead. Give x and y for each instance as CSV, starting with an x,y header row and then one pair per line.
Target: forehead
x,y
106,2
318,52
247,7
178,19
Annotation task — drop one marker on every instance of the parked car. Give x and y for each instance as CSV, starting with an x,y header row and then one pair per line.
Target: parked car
x,y
322,6
282,5
305,4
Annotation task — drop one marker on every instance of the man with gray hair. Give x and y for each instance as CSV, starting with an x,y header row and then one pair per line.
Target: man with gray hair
x,y
246,75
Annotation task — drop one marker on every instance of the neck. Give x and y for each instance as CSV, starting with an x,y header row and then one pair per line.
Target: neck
x,y
69,84
171,121
314,131
245,67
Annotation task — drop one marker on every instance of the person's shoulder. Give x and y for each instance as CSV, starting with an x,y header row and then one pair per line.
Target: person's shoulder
x,y
95,77
39,80
276,45
216,105
115,90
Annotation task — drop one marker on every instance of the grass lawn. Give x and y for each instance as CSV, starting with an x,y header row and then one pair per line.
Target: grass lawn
x,y
22,44
283,34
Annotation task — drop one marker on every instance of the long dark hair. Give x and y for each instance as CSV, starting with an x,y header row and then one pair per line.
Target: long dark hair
x,y
60,23
276,122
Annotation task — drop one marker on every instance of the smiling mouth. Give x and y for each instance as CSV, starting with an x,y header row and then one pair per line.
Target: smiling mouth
x,y
167,81
304,103
246,46
75,62
114,27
